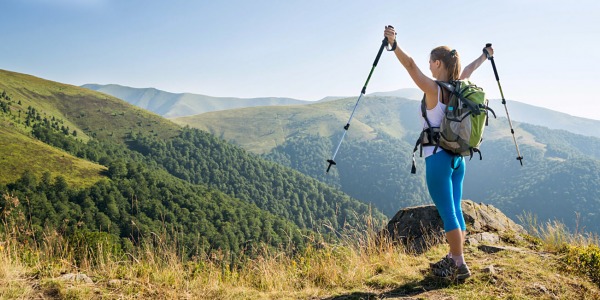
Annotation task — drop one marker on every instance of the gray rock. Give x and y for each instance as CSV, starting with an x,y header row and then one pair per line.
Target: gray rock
x,y
489,269
494,248
421,227
483,238
540,287
486,218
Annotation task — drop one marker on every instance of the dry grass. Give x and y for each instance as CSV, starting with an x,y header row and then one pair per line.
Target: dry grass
x,y
358,267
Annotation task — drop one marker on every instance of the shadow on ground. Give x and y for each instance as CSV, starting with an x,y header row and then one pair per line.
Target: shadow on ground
x,y
410,290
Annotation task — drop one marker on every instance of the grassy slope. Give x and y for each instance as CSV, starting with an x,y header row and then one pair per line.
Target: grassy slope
x,y
19,153
87,111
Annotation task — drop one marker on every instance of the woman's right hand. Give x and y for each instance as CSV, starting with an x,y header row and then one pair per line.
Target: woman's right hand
x,y
489,50
390,34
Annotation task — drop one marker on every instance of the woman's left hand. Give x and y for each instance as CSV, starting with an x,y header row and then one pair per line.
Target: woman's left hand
x,y
489,50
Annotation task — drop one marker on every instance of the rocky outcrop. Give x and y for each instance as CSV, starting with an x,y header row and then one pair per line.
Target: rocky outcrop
x,y
421,227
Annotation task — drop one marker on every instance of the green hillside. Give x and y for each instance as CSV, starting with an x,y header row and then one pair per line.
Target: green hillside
x,y
153,177
40,158
88,112
133,200
374,161
21,152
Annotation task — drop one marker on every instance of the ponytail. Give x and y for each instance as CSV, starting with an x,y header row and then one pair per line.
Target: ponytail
x,y
450,58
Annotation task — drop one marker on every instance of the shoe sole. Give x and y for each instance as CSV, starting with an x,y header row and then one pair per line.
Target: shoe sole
x,y
456,276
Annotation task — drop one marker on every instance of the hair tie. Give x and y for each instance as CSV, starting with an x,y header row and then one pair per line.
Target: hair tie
x,y
453,52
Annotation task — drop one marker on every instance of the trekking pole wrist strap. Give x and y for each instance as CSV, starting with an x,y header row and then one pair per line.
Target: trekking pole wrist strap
x,y
394,45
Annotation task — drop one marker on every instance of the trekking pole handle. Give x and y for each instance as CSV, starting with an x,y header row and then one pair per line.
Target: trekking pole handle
x,y
487,54
387,43
384,44
491,58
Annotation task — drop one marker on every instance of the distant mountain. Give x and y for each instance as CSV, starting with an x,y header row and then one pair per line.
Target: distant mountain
x,y
548,118
408,93
170,105
332,98
521,112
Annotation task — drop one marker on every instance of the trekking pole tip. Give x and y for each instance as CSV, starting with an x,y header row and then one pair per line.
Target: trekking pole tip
x,y
520,159
331,163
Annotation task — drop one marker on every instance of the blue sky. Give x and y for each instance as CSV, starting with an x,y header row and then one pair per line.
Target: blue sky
x,y
545,50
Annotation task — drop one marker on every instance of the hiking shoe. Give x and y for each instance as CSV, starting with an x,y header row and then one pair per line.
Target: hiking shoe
x,y
463,272
438,264
445,267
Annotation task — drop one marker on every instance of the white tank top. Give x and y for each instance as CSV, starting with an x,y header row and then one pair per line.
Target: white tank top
x,y
435,116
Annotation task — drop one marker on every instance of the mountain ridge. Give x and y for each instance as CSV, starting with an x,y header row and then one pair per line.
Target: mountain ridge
x,y
176,105
171,105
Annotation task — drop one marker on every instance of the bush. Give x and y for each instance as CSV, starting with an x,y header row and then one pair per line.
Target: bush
x,y
584,260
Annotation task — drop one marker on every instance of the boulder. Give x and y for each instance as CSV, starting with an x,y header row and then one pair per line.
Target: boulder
x,y
421,227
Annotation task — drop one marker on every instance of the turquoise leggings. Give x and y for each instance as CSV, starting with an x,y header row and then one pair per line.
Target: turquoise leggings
x,y
445,175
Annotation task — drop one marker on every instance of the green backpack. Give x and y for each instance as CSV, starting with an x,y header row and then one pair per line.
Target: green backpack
x,y
461,130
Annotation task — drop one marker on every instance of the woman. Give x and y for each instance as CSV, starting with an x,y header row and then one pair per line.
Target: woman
x,y
444,172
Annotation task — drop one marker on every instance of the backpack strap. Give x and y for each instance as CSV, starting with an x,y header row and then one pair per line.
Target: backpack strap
x,y
424,111
473,150
419,143
447,85
431,133
487,115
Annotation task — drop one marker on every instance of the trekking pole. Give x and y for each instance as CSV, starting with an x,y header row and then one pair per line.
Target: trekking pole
x,y
384,44
491,58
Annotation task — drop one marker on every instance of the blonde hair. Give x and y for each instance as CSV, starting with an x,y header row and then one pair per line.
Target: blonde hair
x,y
450,59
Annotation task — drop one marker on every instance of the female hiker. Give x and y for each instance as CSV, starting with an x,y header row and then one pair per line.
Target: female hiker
x,y
444,172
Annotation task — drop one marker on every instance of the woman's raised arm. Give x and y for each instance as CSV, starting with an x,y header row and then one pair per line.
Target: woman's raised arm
x,y
468,70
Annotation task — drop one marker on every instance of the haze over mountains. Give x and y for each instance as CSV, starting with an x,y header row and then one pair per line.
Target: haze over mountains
x,y
172,105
